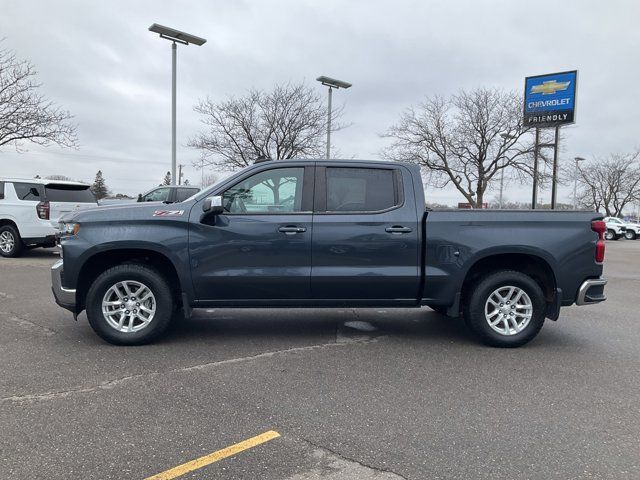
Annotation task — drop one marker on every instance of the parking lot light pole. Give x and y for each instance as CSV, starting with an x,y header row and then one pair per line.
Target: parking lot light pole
x,y
175,36
331,83
575,182
505,137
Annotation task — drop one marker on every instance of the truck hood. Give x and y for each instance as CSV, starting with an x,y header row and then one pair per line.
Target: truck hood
x,y
131,211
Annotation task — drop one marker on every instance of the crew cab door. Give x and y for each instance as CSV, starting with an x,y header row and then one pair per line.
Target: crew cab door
x,y
366,234
259,249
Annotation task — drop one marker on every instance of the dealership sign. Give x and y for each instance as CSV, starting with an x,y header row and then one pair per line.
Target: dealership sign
x,y
550,100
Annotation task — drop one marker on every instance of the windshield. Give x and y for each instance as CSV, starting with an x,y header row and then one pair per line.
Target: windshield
x,y
206,191
69,193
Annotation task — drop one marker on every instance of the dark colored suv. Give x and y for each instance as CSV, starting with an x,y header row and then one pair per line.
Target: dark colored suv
x,y
169,194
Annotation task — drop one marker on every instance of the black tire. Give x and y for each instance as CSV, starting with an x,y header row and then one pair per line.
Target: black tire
x,y
9,231
610,235
146,275
474,308
630,235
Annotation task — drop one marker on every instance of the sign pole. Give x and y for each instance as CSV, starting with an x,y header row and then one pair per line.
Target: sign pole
x,y
536,147
554,181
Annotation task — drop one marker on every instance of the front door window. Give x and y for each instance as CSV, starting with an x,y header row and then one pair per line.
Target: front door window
x,y
272,192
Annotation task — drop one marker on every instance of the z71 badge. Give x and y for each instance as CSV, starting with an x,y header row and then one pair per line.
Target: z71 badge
x,y
168,213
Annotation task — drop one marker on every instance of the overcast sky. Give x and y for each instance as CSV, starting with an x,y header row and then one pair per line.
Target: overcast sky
x,y
99,61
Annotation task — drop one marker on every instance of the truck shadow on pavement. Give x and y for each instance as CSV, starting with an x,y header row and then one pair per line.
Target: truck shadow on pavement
x,y
321,325
332,325
44,253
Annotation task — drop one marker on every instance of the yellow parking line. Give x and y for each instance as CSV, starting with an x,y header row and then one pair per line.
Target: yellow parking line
x,y
215,456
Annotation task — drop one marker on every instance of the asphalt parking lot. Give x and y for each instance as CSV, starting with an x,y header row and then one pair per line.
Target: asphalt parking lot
x,y
415,398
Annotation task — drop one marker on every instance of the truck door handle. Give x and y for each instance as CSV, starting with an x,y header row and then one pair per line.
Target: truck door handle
x,y
398,229
292,230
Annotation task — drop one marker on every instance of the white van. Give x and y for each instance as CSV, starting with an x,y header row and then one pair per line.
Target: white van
x,y
30,210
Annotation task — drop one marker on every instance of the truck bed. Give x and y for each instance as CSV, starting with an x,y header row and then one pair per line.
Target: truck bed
x,y
458,240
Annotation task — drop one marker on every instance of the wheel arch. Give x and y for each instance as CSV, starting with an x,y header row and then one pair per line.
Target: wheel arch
x,y
99,261
529,263
8,221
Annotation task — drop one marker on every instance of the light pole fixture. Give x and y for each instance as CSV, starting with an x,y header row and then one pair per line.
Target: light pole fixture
x,y
505,137
174,36
331,83
575,182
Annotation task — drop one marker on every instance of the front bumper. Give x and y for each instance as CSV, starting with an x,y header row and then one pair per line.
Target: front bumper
x,y
65,297
591,291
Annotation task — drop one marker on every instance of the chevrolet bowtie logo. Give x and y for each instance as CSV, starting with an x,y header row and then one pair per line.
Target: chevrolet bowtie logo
x,y
550,87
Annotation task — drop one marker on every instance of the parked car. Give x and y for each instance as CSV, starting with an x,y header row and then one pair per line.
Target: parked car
x,y
630,231
30,210
169,194
326,234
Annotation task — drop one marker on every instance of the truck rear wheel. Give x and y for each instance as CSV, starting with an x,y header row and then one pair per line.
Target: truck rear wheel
x,y
630,235
129,304
10,242
505,309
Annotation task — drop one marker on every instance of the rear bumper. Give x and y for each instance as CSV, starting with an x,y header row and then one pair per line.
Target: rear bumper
x,y
65,297
46,241
591,291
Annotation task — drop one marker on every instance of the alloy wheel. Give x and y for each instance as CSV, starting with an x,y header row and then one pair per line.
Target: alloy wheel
x,y
508,310
7,241
128,306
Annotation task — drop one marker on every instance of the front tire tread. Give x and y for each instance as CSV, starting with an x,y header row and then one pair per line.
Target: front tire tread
x,y
130,271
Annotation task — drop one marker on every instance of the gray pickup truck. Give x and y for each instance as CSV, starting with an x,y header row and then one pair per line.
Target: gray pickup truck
x,y
325,234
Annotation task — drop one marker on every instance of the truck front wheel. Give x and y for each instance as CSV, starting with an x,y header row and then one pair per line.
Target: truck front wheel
x,y
129,304
505,309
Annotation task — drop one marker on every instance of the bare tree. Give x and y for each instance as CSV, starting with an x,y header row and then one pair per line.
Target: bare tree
x,y
25,114
465,140
610,183
209,179
289,121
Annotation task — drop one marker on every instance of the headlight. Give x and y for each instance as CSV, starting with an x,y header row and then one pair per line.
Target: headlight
x,y
69,229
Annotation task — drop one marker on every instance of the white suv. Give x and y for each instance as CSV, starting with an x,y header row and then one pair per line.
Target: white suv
x,y
30,209
616,228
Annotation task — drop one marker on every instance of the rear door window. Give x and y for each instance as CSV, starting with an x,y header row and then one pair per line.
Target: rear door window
x,y
158,195
1,190
360,189
183,193
69,194
28,191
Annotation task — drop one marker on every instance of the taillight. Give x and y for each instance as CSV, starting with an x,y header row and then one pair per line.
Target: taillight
x,y
43,210
599,227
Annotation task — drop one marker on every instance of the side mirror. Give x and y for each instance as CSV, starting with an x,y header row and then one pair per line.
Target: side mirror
x,y
213,205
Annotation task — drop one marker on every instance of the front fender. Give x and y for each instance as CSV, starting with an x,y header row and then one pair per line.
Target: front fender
x,y
77,254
